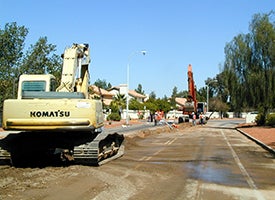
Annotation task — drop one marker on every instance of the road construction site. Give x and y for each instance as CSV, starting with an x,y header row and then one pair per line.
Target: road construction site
x,y
187,162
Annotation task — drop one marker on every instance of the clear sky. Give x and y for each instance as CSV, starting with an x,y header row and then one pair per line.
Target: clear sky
x,y
174,33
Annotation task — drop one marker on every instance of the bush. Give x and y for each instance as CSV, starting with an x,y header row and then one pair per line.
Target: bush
x,y
260,119
226,115
141,116
114,117
270,119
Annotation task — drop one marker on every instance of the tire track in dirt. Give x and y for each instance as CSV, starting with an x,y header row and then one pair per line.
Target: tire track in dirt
x,y
117,188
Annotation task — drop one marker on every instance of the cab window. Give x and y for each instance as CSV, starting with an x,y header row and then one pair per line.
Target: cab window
x,y
34,86
53,85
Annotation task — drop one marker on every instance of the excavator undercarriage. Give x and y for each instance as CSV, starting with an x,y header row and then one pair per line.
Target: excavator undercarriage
x,y
32,149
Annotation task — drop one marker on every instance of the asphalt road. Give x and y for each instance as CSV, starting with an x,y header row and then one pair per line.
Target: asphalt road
x,y
209,162
204,162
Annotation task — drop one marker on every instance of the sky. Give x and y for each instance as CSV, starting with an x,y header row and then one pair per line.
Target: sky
x,y
174,34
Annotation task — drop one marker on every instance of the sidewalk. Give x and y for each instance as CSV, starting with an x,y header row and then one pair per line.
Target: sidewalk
x,y
266,135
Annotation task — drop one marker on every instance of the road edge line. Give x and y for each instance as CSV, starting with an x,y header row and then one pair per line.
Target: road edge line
x,y
266,147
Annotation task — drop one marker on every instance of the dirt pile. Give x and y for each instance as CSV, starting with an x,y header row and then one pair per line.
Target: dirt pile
x,y
157,130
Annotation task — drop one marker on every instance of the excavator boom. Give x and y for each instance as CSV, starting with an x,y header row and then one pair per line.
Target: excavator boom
x,y
191,102
191,86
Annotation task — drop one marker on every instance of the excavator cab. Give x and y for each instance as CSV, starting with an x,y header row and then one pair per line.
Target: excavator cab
x,y
35,83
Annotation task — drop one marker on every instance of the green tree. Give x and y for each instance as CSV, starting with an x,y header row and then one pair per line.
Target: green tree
x,y
151,105
118,103
102,84
12,39
263,57
173,97
175,92
40,59
152,95
182,94
218,105
135,105
139,89
163,105
202,94
157,104
248,75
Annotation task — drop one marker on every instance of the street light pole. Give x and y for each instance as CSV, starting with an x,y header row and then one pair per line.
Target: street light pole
x,y
127,95
207,98
127,90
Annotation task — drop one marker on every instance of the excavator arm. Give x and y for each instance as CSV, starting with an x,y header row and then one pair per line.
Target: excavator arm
x,y
191,86
75,74
190,105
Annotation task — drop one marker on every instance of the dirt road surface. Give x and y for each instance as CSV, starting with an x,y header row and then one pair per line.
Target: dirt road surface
x,y
202,162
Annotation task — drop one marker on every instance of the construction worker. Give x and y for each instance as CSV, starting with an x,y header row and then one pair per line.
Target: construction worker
x,y
201,118
156,117
194,118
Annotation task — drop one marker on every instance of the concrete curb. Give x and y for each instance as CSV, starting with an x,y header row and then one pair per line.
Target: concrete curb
x,y
266,147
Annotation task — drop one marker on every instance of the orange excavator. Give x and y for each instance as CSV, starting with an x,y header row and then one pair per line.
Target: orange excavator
x,y
191,105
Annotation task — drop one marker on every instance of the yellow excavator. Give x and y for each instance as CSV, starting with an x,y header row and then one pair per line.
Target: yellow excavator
x,y
61,123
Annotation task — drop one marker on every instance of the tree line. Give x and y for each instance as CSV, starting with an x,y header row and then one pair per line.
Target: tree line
x,y
246,81
248,75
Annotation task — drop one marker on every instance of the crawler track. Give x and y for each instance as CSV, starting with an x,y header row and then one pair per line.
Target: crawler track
x,y
4,154
104,147
31,149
